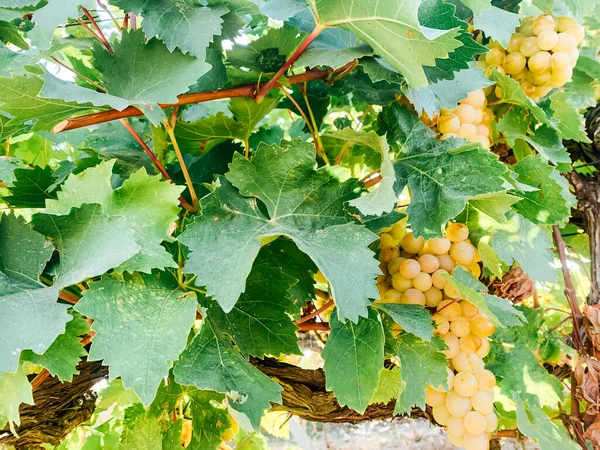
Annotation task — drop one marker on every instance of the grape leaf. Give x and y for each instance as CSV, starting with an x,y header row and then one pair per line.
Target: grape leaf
x,y
540,428
522,241
188,27
282,9
259,322
477,6
447,93
55,13
14,390
285,181
146,434
392,29
146,72
9,33
353,359
494,205
412,318
333,49
497,24
7,168
216,77
149,206
378,69
318,97
421,363
546,204
441,174
63,355
389,386
514,95
440,15
570,121
211,362
141,324
19,97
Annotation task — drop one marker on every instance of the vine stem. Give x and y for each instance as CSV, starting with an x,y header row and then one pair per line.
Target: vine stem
x,y
303,114
80,75
113,18
313,314
313,326
314,123
340,155
301,48
184,169
98,34
185,99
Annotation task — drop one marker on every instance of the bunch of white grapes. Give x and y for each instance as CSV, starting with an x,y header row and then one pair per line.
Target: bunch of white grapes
x,y
414,271
470,120
540,56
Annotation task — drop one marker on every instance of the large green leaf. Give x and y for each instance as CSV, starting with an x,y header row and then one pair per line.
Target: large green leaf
x,y
55,13
421,363
392,28
302,203
497,24
186,26
14,390
570,121
412,318
141,324
211,362
146,434
149,206
353,359
441,174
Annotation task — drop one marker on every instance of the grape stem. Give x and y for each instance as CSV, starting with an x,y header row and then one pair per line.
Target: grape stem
x,y
313,314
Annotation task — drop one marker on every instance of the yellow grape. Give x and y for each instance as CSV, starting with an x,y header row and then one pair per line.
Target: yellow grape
x,y
560,61
543,23
422,282
488,116
482,402
566,43
495,56
484,130
539,62
514,63
425,250
451,292
465,113
475,423
456,426
433,297
441,414
460,327
411,244
186,433
434,398
565,23
413,297
478,117
457,232
453,345
529,46
527,27
470,343
448,123
409,268
573,57
476,99
475,442
398,230
320,278
386,240
438,280
578,33
429,263
482,326
439,246
515,42
486,380
392,296
484,349
463,252
469,310
465,384
394,265
560,77
466,362
483,140
492,422
466,130
389,253
522,75
401,283
382,287
455,440
546,40
528,88
541,79
457,405
447,263
540,91
443,326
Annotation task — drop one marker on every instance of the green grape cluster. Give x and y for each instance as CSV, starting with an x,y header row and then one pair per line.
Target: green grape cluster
x,y
414,270
540,56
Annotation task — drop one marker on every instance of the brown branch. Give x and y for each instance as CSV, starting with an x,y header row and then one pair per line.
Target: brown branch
x,y
80,75
68,297
185,99
301,48
313,314
312,326
100,34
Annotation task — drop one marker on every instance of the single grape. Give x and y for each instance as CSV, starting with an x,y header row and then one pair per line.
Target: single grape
x,y
394,265
470,343
382,287
429,263
447,263
455,440
457,232
483,140
401,283
515,42
539,62
441,414
466,130
484,130
495,56
422,282
413,297
392,296
442,324
456,426
488,116
545,22
529,46
492,422
453,345
439,246
482,402
560,61
540,91
457,405
578,33
466,362
433,297
475,442
386,240
566,43
526,27
463,252
434,398
476,99
451,291
475,423
528,88
514,63
482,326
469,310
486,380
411,244
484,350
460,327
465,113
547,40
565,23
398,230
542,79
438,280
448,123
465,384
478,117
474,268
522,75
389,253
409,268
561,77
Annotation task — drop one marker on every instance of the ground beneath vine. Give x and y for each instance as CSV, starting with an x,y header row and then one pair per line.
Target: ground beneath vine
x,y
405,434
